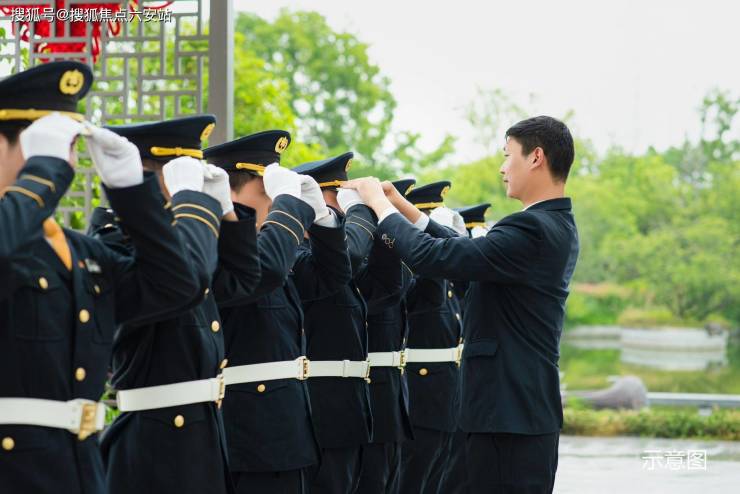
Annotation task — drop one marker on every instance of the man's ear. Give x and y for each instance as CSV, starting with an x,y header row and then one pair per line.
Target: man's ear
x,y
538,158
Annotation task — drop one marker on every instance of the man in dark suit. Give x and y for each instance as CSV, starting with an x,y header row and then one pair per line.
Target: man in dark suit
x,y
162,370
267,411
519,274
64,293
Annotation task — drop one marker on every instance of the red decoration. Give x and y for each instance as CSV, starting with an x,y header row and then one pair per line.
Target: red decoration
x,y
77,28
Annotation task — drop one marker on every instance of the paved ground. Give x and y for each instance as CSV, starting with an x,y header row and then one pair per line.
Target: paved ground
x,y
655,466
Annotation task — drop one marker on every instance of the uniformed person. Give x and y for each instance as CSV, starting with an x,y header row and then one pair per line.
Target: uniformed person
x,y
336,334
519,274
63,293
455,478
267,412
433,365
387,330
168,373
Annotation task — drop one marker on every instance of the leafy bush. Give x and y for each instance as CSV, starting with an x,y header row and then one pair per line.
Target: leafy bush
x,y
652,422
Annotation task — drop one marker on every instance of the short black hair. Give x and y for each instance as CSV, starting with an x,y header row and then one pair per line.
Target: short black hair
x,y
11,132
552,136
238,179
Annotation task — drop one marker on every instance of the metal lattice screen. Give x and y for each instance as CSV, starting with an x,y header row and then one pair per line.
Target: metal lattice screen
x,y
155,68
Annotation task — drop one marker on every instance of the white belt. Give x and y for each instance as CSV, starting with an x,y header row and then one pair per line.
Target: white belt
x,y
301,368
268,371
170,395
340,368
81,417
388,359
453,354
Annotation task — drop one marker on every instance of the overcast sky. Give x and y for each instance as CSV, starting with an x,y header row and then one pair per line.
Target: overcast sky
x,y
634,72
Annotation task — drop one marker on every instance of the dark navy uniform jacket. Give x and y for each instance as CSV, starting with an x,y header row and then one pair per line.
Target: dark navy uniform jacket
x,y
434,322
58,325
183,348
519,275
268,425
387,330
336,329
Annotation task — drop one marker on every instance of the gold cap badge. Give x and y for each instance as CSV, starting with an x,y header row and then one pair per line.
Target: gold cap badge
x,y
282,143
207,131
71,82
349,163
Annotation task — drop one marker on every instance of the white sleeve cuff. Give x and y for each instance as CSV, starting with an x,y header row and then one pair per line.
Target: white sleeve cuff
x,y
386,213
422,222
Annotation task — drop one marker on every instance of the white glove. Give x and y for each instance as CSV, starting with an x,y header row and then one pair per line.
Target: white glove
x,y
442,215
216,185
183,173
348,198
449,218
458,223
311,194
51,135
478,231
117,160
279,180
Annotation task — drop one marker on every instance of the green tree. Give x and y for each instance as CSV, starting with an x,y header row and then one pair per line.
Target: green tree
x,y
340,99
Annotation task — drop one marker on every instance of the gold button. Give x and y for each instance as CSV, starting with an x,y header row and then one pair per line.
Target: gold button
x,y
97,289
369,381
179,421
84,316
8,443
80,374
205,294
224,363
215,326
458,316
43,283
423,372
261,388
449,293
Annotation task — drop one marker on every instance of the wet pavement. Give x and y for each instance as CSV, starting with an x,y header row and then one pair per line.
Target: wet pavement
x,y
644,465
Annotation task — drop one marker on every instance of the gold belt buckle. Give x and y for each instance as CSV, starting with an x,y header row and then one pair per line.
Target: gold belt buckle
x,y
458,358
367,372
221,390
305,367
87,421
402,363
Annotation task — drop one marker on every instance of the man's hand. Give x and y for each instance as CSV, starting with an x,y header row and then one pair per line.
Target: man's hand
x,y
279,180
117,160
216,185
183,173
371,192
52,135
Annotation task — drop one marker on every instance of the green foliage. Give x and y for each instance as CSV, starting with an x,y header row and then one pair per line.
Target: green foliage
x,y
653,422
340,98
596,304
651,317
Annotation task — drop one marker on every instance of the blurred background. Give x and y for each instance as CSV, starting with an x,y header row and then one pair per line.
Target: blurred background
x,y
651,92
